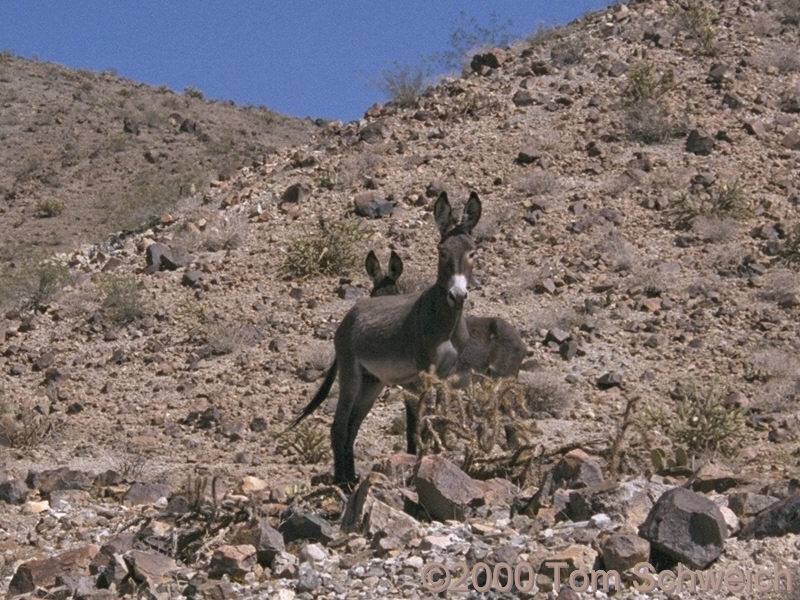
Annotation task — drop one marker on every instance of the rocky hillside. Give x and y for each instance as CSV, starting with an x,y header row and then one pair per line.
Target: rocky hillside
x,y
85,154
639,176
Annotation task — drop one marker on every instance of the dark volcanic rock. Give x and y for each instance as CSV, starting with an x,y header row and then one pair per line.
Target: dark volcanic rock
x,y
778,519
687,527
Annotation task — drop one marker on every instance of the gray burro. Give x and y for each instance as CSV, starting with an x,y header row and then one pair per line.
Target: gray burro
x,y
389,340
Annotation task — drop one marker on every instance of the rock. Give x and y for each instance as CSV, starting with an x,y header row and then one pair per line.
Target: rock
x,y
62,478
13,491
250,484
160,257
313,553
575,470
42,573
375,132
149,569
576,557
790,100
192,278
528,156
146,493
306,526
308,578
44,361
714,478
372,204
755,127
686,527
780,518
444,490
522,98
747,504
284,565
108,566
699,142
267,540
233,561
557,335
293,195
492,60
609,380
365,513
621,551
791,140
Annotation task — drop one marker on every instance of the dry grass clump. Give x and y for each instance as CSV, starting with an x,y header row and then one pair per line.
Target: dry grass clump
x,y
727,200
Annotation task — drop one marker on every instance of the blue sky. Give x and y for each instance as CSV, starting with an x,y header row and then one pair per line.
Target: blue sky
x,y
300,57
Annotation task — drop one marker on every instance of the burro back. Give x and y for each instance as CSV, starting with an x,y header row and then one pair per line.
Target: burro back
x,y
388,340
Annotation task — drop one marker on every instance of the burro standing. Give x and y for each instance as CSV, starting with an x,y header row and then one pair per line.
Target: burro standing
x,y
389,340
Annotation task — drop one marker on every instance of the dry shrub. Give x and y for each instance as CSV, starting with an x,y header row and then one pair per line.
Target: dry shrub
x,y
539,183
616,252
546,394
568,51
473,417
715,229
225,337
790,11
330,250
23,425
781,286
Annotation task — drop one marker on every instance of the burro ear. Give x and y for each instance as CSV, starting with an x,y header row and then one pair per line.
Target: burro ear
x,y
472,213
373,267
443,214
395,266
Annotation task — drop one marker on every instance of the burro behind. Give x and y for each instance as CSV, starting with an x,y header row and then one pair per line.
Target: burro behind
x,y
389,340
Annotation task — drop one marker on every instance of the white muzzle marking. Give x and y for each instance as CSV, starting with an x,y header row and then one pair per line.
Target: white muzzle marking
x,y
458,287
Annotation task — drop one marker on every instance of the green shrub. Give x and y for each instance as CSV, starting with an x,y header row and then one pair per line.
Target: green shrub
x,y
310,443
330,250
193,92
123,302
48,279
695,19
644,83
698,420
